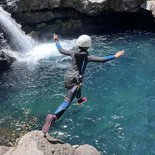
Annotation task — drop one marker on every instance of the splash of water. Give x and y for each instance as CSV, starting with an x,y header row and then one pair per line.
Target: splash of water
x,y
45,51
41,51
18,38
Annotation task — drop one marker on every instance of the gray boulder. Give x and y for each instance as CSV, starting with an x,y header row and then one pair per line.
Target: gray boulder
x,y
86,150
78,16
5,61
35,5
4,149
3,42
34,143
91,7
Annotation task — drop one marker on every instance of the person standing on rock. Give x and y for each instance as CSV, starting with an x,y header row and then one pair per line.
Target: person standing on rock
x,y
74,76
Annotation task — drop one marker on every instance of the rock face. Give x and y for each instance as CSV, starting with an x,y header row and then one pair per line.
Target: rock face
x,y
150,6
3,149
3,42
34,143
90,7
76,16
46,10
5,61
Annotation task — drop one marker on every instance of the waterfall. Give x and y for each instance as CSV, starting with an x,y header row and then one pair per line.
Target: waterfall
x,y
17,37
32,51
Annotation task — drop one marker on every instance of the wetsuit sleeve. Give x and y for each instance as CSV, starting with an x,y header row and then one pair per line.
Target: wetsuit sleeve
x,y
92,58
61,50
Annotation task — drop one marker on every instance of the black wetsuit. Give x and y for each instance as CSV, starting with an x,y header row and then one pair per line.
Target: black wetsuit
x,y
80,59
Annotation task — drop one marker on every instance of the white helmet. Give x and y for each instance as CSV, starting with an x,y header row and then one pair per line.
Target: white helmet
x,y
84,41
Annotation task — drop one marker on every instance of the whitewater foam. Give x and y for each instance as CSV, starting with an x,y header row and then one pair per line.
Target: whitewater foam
x,y
17,37
45,51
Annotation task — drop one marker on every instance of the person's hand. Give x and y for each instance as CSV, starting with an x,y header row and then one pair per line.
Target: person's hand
x,y
55,37
119,53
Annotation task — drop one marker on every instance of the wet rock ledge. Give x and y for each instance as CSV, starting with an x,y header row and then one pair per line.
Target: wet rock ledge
x,y
34,143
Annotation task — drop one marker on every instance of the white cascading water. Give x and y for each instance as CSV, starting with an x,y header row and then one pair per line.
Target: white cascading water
x,y
18,38
32,51
44,51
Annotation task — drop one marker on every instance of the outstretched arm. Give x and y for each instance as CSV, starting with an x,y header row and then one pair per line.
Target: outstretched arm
x,y
59,47
106,58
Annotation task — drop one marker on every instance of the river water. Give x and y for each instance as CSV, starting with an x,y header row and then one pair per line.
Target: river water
x,y
118,117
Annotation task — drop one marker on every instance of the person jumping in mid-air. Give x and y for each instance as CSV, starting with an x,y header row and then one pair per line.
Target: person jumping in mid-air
x,y
74,76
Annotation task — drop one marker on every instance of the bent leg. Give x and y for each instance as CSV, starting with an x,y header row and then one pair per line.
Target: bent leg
x,y
50,118
67,101
78,93
80,99
61,109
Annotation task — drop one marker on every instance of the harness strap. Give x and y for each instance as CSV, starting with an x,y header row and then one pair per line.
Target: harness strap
x,y
82,68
